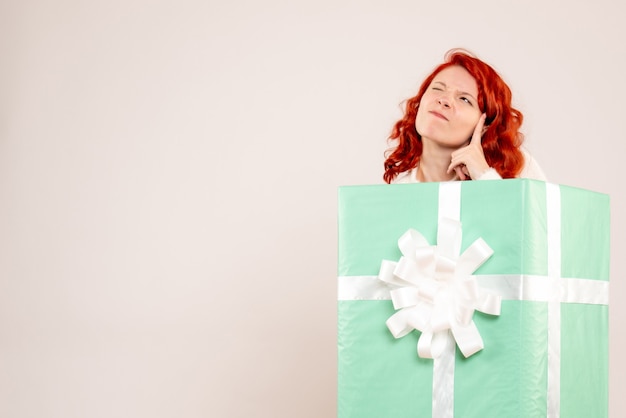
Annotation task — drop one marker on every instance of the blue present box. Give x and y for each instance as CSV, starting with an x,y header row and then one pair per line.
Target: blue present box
x,y
545,354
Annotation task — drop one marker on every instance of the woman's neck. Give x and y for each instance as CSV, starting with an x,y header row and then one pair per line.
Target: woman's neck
x,y
433,165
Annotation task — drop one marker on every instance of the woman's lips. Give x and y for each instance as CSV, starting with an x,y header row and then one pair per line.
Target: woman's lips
x,y
437,114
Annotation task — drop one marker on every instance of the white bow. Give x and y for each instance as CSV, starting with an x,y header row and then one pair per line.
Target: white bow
x,y
434,290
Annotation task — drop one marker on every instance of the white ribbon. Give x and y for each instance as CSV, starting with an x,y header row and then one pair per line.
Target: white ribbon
x,y
527,287
553,214
437,295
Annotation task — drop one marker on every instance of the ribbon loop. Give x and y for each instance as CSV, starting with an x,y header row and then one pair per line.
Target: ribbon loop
x,y
410,241
404,296
398,324
468,339
385,274
432,345
474,256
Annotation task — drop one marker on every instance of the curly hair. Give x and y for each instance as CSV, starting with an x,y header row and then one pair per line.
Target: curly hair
x,y
501,141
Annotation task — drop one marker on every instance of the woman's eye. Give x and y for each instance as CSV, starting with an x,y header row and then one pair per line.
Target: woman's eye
x,y
437,88
466,100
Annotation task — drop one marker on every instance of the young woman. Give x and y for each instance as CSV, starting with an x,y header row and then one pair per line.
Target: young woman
x,y
459,126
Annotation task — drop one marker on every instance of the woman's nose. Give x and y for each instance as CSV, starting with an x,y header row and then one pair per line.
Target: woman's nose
x,y
443,101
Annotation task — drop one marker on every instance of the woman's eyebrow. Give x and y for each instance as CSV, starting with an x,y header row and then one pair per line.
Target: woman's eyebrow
x,y
464,93
460,92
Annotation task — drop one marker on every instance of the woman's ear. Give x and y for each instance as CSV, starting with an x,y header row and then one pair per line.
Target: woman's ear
x,y
489,120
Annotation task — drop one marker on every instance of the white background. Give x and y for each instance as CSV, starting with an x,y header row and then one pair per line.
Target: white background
x,y
169,172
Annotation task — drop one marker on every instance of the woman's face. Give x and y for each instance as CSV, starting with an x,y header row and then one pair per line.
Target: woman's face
x,y
448,111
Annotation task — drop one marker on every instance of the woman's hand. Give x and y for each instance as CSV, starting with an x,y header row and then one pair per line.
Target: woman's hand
x,y
469,161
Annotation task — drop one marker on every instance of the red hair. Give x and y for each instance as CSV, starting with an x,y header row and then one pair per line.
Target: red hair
x,y
501,141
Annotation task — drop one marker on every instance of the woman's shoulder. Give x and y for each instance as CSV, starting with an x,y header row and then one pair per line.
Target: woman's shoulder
x,y
409,176
531,169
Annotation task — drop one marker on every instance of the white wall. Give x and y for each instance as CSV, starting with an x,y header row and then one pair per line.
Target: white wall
x,y
168,180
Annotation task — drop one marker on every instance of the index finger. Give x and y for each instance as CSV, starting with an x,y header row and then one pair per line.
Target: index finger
x,y
478,130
